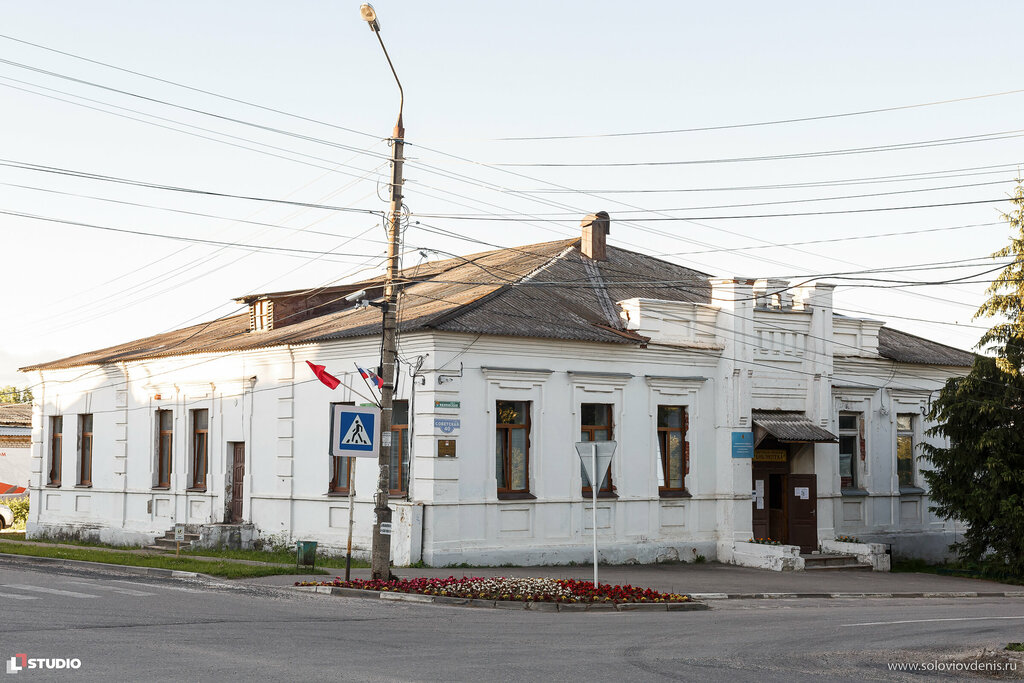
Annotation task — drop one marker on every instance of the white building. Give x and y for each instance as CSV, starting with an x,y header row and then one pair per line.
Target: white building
x,y
15,448
518,354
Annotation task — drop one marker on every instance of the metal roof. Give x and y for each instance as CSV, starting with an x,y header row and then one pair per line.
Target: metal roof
x,y
547,290
791,427
907,348
16,414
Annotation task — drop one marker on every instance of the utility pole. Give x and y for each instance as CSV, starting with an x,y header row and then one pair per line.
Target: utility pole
x,y
380,553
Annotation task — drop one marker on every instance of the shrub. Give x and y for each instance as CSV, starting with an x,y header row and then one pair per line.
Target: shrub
x,y
19,506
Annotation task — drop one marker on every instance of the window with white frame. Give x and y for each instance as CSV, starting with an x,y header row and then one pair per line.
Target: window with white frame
x,y
905,450
849,449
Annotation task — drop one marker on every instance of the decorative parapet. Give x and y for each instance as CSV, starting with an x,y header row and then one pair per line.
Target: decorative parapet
x,y
672,322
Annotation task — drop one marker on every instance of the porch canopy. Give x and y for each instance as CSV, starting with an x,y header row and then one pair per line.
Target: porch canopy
x,y
788,427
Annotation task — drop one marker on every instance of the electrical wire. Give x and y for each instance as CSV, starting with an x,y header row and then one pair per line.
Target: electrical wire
x,y
776,122
900,146
188,87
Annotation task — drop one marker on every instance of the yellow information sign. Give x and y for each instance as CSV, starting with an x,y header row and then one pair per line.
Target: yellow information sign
x,y
770,455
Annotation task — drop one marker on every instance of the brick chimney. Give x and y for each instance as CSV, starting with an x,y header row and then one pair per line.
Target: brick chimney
x,y
596,227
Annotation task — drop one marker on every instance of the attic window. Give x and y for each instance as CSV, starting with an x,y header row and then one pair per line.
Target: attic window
x,y
261,315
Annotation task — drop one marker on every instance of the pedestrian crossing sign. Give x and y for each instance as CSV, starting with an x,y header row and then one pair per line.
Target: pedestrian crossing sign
x,y
355,431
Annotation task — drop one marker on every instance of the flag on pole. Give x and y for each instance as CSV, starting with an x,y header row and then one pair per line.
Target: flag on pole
x,y
327,378
371,376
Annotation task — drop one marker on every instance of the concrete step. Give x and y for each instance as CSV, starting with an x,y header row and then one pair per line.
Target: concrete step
x,y
855,567
165,543
819,561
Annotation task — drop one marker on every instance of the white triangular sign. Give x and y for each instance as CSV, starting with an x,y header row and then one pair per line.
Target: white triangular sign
x,y
356,434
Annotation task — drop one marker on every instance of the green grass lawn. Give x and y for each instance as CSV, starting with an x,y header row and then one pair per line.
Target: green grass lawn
x,y
227,570
279,556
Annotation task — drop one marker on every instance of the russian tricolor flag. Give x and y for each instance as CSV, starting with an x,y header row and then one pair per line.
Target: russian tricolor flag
x,y
371,376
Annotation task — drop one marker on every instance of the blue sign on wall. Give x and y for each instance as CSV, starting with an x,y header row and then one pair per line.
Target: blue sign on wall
x,y
447,425
743,444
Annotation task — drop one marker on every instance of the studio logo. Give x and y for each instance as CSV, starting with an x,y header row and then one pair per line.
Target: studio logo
x,y
21,662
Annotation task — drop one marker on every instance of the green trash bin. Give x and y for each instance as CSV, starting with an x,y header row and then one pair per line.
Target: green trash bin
x,y
305,553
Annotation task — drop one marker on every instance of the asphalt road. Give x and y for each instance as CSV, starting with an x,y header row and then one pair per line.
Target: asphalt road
x,y
128,628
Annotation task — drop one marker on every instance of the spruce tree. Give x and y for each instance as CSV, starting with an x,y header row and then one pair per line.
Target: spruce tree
x,y
979,479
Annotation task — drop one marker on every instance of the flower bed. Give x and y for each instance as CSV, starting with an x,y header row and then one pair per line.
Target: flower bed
x,y
511,589
763,541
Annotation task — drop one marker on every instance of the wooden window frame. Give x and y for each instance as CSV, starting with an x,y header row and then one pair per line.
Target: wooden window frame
x,y
665,490
609,491
261,315
200,450
334,485
911,434
397,432
857,433
340,464
503,433
56,450
164,455
85,450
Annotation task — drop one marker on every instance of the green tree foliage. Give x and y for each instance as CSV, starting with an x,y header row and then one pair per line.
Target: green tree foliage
x,y
19,506
12,394
979,479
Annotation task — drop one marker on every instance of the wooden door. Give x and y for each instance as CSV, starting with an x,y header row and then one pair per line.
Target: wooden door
x,y
237,478
802,499
760,504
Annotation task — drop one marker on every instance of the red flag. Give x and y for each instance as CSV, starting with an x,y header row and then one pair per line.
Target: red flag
x,y
327,378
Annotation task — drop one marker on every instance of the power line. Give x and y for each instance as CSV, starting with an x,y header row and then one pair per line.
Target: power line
x,y
845,238
737,217
173,188
775,122
189,87
921,144
173,210
772,203
193,110
185,132
287,251
838,182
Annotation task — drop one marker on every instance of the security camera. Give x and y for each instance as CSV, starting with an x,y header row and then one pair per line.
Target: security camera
x,y
356,296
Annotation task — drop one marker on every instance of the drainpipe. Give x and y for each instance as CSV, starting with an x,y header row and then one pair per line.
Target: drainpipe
x,y
414,373
124,480
37,508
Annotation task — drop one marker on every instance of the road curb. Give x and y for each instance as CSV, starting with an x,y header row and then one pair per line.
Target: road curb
x,y
419,598
851,595
123,568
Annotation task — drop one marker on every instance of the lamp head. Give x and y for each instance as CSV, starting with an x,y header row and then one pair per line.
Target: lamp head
x,y
369,16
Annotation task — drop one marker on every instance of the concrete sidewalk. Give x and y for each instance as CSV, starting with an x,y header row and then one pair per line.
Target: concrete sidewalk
x,y
717,580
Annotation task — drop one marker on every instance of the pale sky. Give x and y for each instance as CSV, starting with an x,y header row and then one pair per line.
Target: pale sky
x,y
475,72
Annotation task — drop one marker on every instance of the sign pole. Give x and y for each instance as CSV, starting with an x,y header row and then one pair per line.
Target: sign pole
x,y
594,486
351,500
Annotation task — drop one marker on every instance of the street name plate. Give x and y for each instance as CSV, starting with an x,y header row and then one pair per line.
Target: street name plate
x,y
385,528
447,404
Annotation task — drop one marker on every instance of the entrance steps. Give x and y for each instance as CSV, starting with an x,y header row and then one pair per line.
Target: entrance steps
x,y
833,562
167,543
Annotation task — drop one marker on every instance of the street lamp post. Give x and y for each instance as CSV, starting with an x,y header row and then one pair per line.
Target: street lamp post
x,y
380,553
